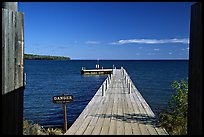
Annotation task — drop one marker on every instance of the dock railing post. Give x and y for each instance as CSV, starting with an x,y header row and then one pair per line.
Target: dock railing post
x,y
130,87
107,84
122,70
127,82
109,79
125,78
103,89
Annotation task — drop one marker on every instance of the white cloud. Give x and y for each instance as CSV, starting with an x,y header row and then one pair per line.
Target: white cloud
x,y
137,54
156,49
151,54
151,41
92,42
170,53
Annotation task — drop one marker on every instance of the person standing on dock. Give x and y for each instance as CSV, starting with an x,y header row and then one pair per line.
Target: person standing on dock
x,y
97,65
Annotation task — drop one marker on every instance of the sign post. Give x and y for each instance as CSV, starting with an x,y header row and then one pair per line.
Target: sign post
x,y
65,116
63,99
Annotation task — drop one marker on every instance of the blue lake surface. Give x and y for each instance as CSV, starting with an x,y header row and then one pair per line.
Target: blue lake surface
x,y
48,78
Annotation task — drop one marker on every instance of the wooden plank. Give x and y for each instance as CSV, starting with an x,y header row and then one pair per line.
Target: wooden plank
x,y
11,44
151,129
19,51
13,110
89,130
148,114
116,113
127,118
130,112
120,123
161,131
93,122
12,31
107,119
135,124
98,127
80,119
113,123
78,123
85,123
3,50
5,44
142,115
99,124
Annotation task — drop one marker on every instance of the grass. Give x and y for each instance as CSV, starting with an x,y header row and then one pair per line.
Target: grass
x,y
36,129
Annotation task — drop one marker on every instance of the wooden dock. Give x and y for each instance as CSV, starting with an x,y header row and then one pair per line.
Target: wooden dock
x,y
117,108
96,71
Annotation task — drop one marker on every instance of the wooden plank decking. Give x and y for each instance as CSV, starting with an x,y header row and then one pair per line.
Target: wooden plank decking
x,y
117,112
96,71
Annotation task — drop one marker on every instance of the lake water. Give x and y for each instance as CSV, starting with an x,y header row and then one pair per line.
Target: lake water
x,y
48,78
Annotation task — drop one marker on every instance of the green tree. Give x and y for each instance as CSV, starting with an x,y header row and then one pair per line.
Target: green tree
x,y
174,119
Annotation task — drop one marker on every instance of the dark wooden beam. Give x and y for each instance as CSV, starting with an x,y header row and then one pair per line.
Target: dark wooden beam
x,y
12,69
195,72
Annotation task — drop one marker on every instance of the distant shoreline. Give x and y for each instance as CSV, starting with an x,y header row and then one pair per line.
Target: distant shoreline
x,y
44,57
130,60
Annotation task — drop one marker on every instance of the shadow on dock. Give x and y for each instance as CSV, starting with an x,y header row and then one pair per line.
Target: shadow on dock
x,y
131,118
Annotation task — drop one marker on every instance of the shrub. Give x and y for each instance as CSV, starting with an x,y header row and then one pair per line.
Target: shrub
x,y
36,129
174,119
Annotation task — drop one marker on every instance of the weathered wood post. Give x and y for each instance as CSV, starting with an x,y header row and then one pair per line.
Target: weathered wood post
x,y
103,89
128,83
130,87
64,116
107,84
125,79
195,72
12,69
122,71
109,79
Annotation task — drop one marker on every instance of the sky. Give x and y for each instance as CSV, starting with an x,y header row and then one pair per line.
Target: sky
x,y
107,30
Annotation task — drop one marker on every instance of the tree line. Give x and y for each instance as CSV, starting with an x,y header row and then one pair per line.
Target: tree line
x,y
44,57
